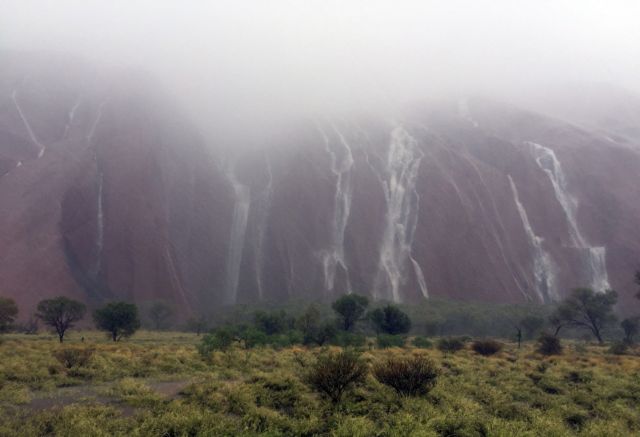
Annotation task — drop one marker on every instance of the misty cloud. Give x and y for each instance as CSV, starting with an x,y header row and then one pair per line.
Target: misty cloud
x,y
255,58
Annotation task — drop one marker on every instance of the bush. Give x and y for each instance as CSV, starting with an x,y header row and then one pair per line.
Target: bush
x,y
252,337
619,348
486,347
385,340
413,376
220,339
334,373
347,339
549,345
390,320
73,356
450,345
422,343
117,319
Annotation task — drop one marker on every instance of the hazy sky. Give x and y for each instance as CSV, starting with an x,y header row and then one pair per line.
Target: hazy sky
x,y
270,56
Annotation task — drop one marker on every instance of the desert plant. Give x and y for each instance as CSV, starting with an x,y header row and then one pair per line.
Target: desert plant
x,y
350,309
390,320
549,344
412,376
486,347
334,373
60,313
71,357
160,314
386,340
585,308
8,313
450,344
422,343
219,339
631,327
619,348
118,319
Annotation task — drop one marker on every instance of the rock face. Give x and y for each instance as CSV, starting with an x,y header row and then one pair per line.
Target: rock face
x,y
108,192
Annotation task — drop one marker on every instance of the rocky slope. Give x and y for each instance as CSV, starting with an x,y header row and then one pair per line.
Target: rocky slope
x,y
107,191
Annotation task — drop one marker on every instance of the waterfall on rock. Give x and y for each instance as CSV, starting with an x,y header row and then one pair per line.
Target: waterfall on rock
x,y
594,257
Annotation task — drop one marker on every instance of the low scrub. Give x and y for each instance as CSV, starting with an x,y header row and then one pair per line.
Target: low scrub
x,y
334,373
486,347
386,341
414,376
450,345
73,357
549,345
422,343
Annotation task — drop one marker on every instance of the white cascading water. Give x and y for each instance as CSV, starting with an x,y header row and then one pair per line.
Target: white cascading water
x,y
263,205
543,269
99,244
240,218
99,225
71,116
340,166
463,111
32,134
96,121
399,183
595,257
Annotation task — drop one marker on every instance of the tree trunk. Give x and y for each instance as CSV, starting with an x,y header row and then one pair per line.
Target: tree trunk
x,y
558,330
596,332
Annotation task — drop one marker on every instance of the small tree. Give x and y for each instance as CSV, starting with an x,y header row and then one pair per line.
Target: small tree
x,y
350,309
334,373
271,323
118,319
197,324
531,326
8,313
631,327
160,314
390,320
309,324
587,309
60,313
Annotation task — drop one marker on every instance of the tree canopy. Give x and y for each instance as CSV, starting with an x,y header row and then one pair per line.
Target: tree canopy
x,y
61,313
118,319
584,308
390,320
350,309
8,313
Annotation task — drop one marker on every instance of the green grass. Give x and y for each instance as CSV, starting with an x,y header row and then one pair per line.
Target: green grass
x,y
585,391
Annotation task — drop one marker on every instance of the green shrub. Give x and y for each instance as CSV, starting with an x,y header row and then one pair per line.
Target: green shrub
x,y
451,344
71,357
619,348
486,347
549,345
252,337
422,343
347,339
334,373
220,339
386,340
413,376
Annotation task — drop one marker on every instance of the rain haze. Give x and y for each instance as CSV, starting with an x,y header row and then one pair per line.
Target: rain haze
x,y
263,59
